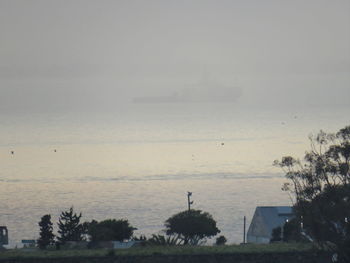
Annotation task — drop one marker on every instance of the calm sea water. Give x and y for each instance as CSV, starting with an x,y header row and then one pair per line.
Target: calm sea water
x,y
138,163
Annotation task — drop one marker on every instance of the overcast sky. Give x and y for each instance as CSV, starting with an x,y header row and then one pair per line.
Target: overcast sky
x,y
59,55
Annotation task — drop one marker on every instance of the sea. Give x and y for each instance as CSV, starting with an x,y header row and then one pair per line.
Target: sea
x,y
139,161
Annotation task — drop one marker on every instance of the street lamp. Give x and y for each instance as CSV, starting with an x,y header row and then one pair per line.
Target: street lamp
x,y
189,194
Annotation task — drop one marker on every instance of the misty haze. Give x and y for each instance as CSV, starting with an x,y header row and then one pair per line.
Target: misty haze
x,y
119,108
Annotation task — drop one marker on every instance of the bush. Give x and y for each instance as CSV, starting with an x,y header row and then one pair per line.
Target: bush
x,y
160,240
220,241
110,230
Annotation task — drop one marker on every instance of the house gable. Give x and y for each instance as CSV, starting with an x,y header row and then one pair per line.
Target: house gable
x,y
265,219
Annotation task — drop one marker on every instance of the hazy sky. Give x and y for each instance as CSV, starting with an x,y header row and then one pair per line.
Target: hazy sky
x,y
73,55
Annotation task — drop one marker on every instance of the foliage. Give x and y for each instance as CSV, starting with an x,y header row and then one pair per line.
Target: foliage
x,y
161,240
220,241
110,253
168,250
110,229
191,226
140,238
276,234
321,184
69,227
46,236
291,232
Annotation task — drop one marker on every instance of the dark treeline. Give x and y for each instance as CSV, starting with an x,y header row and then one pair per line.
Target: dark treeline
x,y
190,227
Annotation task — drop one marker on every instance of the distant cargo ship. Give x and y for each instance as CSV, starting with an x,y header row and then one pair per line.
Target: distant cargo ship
x,y
158,99
225,95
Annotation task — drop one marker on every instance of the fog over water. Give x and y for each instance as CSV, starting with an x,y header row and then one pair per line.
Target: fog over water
x,y
146,100
86,55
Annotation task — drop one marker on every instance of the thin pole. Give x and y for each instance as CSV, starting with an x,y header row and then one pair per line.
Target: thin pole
x,y
189,200
244,222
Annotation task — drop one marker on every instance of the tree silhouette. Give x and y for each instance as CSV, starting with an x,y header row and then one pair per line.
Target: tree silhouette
x,y
46,236
69,227
191,226
321,184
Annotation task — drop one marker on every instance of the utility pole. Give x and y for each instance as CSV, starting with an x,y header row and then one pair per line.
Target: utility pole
x,y
244,223
189,200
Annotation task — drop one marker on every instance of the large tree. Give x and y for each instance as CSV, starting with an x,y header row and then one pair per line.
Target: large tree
x,y
321,184
70,228
46,236
110,229
191,226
